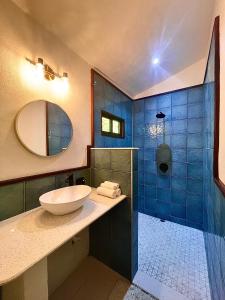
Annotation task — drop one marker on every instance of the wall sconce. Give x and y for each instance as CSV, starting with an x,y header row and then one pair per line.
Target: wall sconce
x,y
47,72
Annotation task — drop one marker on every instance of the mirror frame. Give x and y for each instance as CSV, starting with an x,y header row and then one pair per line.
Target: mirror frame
x,y
21,141
216,33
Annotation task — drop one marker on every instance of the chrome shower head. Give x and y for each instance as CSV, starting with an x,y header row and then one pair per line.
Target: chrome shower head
x,y
160,115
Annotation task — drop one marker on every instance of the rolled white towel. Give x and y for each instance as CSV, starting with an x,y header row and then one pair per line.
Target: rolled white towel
x,y
118,192
107,186
111,185
107,192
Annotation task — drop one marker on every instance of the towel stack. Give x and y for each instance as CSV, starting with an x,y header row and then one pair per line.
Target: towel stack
x,y
109,189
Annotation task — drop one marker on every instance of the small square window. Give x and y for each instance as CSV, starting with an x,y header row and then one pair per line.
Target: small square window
x,y
105,124
116,127
112,125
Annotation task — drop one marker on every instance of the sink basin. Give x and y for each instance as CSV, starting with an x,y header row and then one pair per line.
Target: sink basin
x,y
65,200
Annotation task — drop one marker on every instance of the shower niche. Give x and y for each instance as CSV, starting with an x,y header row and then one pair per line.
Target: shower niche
x,y
164,159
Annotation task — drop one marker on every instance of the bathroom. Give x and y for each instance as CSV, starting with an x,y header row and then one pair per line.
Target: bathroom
x,y
112,181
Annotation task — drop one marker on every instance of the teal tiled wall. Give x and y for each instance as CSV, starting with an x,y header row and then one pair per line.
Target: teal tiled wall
x,y
110,99
23,196
178,196
214,201
114,237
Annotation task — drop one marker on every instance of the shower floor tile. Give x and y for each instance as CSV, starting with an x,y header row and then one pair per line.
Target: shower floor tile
x,y
174,255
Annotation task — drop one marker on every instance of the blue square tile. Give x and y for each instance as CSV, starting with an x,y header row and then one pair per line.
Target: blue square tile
x,y
117,110
163,181
195,140
195,110
139,118
195,200
178,196
150,116
150,204
195,95
138,141
97,120
150,167
163,210
99,141
149,154
139,130
164,101
141,178
109,142
179,112
163,194
194,155
194,225
164,140
178,220
179,183
179,98
194,214
141,154
150,192
179,126
150,142
195,125
109,107
179,141
168,127
138,106
178,210
179,155
150,178
150,103
128,129
195,170
179,169
141,165
195,186
167,112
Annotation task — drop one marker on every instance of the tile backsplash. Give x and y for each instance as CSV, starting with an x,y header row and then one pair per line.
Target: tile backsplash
x,y
20,197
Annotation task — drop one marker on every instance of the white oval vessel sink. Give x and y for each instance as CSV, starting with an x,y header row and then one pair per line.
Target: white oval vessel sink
x,y
65,200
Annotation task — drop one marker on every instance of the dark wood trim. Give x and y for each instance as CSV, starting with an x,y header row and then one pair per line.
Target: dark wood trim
x,y
36,176
170,92
92,109
217,98
32,177
47,128
118,89
216,33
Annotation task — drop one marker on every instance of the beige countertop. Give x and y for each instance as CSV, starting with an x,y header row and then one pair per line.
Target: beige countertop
x,y
29,237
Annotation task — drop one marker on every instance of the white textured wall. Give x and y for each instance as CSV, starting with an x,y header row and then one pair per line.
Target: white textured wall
x,y
220,10
22,37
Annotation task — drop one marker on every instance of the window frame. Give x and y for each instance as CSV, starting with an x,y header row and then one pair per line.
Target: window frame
x,y
111,117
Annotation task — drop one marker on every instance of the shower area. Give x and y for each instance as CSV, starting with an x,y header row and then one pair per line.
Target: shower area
x,y
169,132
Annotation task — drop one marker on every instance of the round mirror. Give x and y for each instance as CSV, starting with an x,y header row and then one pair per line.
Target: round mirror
x,y
44,128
